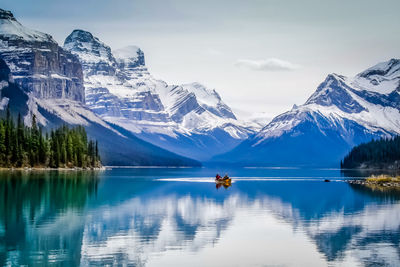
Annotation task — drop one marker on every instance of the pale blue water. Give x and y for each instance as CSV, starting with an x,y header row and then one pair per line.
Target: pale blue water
x,y
177,217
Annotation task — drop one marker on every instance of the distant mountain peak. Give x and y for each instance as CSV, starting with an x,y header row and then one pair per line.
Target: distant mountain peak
x,y
210,100
81,35
334,91
38,65
89,48
12,30
5,14
129,51
129,56
342,112
386,68
382,78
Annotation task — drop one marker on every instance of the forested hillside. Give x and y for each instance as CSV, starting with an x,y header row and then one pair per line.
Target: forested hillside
x,y
22,146
382,153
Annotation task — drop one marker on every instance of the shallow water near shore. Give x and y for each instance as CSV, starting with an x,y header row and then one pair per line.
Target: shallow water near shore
x,y
177,217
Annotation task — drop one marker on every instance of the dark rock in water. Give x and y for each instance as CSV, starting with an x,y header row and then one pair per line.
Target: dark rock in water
x,y
327,181
37,63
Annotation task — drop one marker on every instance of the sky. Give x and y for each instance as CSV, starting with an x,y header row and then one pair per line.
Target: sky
x,y
262,56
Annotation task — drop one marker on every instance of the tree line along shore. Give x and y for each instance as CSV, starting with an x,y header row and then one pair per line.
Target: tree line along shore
x,y
382,153
29,147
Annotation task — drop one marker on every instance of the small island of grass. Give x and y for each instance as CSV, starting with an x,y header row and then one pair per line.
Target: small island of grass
x,y
378,181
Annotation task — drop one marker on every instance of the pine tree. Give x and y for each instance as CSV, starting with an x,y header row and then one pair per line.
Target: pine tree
x,y
376,153
42,148
97,152
27,146
7,141
70,149
2,143
34,142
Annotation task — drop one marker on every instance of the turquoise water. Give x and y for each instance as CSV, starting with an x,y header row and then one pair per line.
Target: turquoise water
x,y
177,217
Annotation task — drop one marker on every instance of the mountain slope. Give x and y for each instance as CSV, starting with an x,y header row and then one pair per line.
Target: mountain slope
x,y
38,64
341,113
189,119
42,79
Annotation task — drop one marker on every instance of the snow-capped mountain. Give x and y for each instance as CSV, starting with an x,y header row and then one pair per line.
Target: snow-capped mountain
x,y
38,64
38,77
189,119
341,113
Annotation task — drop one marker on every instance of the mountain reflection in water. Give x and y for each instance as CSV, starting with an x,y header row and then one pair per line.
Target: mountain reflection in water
x,y
131,217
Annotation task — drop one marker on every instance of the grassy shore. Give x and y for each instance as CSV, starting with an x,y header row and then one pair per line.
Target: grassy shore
x,y
50,169
379,181
383,179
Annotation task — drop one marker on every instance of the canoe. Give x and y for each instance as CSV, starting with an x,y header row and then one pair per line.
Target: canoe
x,y
224,181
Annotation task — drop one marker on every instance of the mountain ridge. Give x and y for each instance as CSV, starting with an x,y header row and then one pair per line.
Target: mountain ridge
x,y
47,82
341,113
188,118
88,83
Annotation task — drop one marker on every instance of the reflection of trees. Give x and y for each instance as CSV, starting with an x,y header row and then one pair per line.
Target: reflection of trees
x,y
31,204
377,192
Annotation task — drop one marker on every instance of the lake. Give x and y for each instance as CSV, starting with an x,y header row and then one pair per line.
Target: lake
x,y
178,217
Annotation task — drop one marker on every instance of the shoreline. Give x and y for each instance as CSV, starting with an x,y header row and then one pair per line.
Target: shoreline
x,y
51,169
383,181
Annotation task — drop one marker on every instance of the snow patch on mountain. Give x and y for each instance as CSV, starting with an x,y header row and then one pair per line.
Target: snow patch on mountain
x,y
120,89
11,29
382,78
89,48
129,57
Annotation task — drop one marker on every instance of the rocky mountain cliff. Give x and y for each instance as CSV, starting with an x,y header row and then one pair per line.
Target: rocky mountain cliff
x,y
37,63
341,113
40,78
189,119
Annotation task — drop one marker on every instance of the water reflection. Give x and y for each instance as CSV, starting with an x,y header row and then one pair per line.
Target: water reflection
x,y
38,216
90,220
225,186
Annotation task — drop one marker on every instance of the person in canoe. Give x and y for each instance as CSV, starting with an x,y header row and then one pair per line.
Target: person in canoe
x,y
219,178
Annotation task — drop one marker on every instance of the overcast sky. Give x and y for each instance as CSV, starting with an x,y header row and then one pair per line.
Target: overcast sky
x,y
260,55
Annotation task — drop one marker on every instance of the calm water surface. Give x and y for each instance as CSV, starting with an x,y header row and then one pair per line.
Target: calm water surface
x,y
177,217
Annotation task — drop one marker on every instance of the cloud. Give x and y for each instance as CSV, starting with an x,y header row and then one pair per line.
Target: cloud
x,y
213,52
271,64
